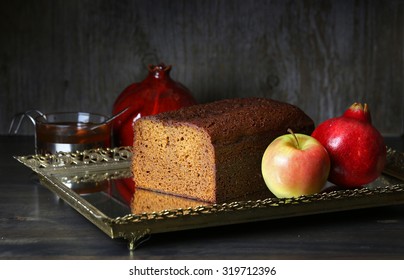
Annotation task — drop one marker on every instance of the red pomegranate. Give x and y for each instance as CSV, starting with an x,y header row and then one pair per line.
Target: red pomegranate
x,y
356,148
155,94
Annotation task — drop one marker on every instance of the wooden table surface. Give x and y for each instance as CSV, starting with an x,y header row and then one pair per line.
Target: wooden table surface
x,y
35,224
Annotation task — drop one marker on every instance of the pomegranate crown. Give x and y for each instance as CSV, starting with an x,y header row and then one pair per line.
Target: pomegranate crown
x,y
159,70
359,112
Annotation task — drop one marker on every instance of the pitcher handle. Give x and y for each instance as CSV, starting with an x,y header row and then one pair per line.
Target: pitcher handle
x,y
18,118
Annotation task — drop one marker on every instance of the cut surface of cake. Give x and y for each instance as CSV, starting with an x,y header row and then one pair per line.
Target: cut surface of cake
x,y
211,152
148,201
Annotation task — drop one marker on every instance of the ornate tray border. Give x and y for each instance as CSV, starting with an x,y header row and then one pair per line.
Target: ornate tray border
x,y
137,228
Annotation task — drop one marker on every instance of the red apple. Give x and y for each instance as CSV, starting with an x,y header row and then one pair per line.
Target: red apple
x,y
356,148
295,165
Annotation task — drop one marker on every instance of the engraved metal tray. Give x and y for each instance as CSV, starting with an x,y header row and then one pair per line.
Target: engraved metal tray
x,y
97,183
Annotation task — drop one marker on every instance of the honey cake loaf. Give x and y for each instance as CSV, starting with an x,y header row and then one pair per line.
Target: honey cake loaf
x,y
213,151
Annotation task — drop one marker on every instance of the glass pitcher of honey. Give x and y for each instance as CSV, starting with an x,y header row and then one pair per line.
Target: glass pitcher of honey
x,y
67,131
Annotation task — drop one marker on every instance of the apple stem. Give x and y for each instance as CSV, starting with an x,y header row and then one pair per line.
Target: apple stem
x,y
297,141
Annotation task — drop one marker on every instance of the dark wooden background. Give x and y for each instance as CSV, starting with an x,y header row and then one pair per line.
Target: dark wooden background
x,y
58,55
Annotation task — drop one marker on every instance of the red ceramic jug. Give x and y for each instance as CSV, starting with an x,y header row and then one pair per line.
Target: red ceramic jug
x,y
155,94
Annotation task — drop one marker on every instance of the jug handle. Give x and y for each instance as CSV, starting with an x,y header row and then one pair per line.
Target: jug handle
x,y
18,118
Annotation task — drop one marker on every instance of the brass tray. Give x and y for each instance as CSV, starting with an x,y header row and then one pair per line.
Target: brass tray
x,y
97,184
